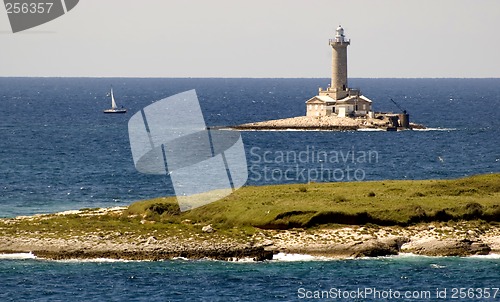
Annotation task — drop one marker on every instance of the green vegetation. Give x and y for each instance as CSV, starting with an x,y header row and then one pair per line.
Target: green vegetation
x,y
375,203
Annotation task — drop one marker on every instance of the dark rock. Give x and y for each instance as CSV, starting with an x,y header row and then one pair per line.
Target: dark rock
x,y
376,248
449,247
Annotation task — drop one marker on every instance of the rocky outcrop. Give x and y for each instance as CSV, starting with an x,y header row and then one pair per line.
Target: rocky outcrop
x,y
358,241
462,238
256,253
379,247
158,250
369,248
321,123
151,249
447,247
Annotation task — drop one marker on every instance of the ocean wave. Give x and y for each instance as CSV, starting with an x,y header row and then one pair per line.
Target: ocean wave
x,y
17,256
412,255
436,129
371,130
489,256
400,256
98,260
299,257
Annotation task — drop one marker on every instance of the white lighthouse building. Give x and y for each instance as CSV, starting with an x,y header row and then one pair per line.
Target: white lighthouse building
x,y
338,99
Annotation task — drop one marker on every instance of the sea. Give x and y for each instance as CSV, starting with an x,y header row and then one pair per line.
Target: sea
x,y
58,152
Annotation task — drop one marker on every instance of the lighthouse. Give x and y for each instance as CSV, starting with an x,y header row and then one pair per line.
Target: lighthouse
x,y
339,63
338,99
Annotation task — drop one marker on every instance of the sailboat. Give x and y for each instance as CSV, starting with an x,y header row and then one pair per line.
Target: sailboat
x,y
114,108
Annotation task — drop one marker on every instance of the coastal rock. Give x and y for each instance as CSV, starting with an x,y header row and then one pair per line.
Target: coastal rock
x,y
376,248
447,247
492,242
479,248
151,240
395,241
208,229
267,242
321,123
368,248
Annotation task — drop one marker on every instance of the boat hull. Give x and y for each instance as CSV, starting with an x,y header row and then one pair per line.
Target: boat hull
x,y
115,111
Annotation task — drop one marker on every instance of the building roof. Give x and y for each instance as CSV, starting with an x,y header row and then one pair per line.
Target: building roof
x,y
365,98
321,98
348,99
352,99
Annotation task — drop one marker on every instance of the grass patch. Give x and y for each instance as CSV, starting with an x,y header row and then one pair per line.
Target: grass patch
x,y
398,203
290,206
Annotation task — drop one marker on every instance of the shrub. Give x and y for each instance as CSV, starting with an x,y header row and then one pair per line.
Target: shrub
x,y
340,199
168,208
302,189
418,194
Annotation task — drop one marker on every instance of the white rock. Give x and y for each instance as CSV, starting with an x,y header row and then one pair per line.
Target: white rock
x,y
151,240
208,229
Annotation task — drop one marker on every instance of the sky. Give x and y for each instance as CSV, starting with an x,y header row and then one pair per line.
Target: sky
x,y
258,38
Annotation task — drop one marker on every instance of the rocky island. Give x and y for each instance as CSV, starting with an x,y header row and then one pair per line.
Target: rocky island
x,y
428,217
381,122
339,107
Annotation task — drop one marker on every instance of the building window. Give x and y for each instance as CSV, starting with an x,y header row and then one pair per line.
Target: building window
x,y
316,107
321,107
310,107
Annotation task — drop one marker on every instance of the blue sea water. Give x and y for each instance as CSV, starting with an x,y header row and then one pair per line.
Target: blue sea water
x,y
58,151
418,277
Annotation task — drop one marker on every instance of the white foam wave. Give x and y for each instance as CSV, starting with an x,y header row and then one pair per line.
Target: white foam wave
x,y
489,256
298,257
99,260
436,129
402,256
17,256
243,260
371,130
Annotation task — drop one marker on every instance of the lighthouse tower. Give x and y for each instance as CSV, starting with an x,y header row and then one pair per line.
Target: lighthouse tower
x,y
338,99
339,64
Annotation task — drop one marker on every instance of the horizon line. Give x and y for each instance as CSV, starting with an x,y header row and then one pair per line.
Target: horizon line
x,y
139,77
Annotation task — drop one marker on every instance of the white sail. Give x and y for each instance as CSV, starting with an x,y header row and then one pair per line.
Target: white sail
x,y
114,108
113,103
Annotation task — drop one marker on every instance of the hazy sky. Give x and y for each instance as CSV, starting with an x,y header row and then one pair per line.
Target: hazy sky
x,y
258,38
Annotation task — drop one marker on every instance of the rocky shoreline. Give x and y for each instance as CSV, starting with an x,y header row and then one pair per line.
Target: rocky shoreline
x,y
438,239
152,249
360,241
331,123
